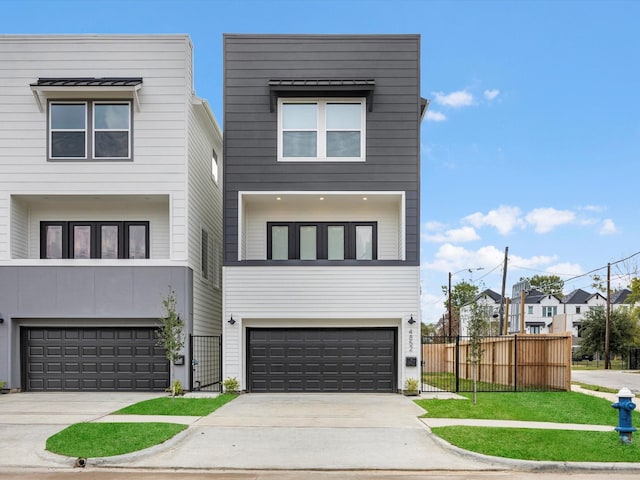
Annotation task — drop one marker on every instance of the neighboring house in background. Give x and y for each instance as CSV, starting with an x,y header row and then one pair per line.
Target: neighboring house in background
x,y
489,303
574,307
110,195
322,196
539,310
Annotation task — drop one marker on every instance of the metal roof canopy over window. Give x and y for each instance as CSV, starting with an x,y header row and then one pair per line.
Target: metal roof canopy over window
x,y
49,86
321,87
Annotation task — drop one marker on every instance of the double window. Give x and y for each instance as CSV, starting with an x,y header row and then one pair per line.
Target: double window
x,y
325,130
549,311
322,241
90,130
107,240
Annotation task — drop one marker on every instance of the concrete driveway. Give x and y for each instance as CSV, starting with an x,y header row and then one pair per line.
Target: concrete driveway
x,y
28,419
311,431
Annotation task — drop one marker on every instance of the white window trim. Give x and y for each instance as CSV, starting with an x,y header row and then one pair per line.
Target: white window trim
x,y
322,130
215,169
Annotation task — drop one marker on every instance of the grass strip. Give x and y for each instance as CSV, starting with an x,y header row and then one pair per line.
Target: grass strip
x,y
198,407
560,407
596,388
549,445
107,439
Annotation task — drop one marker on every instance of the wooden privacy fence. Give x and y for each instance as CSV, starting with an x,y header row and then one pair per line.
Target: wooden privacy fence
x,y
508,363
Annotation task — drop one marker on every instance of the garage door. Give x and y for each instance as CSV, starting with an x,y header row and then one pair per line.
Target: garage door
x,y
321,359
93,359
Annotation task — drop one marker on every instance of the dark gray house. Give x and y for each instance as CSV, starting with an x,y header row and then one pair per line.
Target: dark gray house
x,y
321,211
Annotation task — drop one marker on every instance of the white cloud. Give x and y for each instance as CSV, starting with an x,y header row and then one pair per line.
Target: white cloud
x,y
435,116
458,99
546,219
593,208
456,235
433,226
608,227
504,219
491,94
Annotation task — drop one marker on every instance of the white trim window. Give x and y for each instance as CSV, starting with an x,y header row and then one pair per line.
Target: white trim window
x,y
321,129
90,130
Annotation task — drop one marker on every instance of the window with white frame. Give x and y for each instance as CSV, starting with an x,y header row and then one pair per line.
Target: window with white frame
x,y
204,254
88,130
549,311
530,310
214,166
321,129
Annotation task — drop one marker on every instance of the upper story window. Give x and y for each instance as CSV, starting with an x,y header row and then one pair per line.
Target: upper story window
x,y
530,310
549,311
577,309
90,130
322,241
106,240
321,129
214,166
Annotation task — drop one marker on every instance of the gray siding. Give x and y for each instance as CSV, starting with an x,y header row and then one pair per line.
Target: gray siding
x,y
48,296
392,143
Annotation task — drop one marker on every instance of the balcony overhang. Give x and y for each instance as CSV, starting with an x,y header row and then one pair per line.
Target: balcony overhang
x,y
108,87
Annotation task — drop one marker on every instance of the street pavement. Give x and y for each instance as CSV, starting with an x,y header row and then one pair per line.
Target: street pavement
x,y
615,379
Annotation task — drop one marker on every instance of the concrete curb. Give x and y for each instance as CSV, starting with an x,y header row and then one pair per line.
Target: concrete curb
x,y
541,465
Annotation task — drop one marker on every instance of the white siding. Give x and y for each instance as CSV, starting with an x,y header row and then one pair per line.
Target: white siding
x,y
321,296
104,209
159,143
205,211
19,229
387,215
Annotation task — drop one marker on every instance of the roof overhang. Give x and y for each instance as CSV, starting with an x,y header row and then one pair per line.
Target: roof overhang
x,y
46,88
321,87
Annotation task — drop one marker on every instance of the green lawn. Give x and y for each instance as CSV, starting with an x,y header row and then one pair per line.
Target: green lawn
x,y
535,444
198,407
549,445
561,407
106,439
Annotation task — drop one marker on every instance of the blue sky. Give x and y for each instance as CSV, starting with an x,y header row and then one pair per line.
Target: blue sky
x,y
532,140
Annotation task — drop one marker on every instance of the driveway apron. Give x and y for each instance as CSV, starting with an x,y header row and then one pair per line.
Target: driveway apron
x,y
311,431
28,419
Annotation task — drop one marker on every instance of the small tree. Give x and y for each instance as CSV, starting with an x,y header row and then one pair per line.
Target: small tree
x,y
622,332
170,334
477,326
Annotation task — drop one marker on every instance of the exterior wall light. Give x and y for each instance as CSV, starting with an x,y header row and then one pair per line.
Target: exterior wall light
x,y
231,321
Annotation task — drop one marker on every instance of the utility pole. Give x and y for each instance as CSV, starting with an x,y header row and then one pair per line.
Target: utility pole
x,y
504,284
449,303
607,359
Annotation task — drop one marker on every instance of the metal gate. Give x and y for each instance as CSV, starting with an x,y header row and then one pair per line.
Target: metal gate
x,y
634,359
514,363
206,362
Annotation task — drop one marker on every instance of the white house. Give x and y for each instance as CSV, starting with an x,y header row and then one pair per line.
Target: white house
x,y
110,196
489,303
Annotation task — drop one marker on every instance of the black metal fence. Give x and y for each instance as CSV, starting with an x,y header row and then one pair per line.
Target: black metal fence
x,y
206,362
634,359
507,364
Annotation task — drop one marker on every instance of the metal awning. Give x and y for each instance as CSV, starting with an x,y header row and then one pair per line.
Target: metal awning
x,y
321,87
55,86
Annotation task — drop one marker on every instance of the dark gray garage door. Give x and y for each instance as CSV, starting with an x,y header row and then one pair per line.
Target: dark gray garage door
x,y
93,359
322,359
